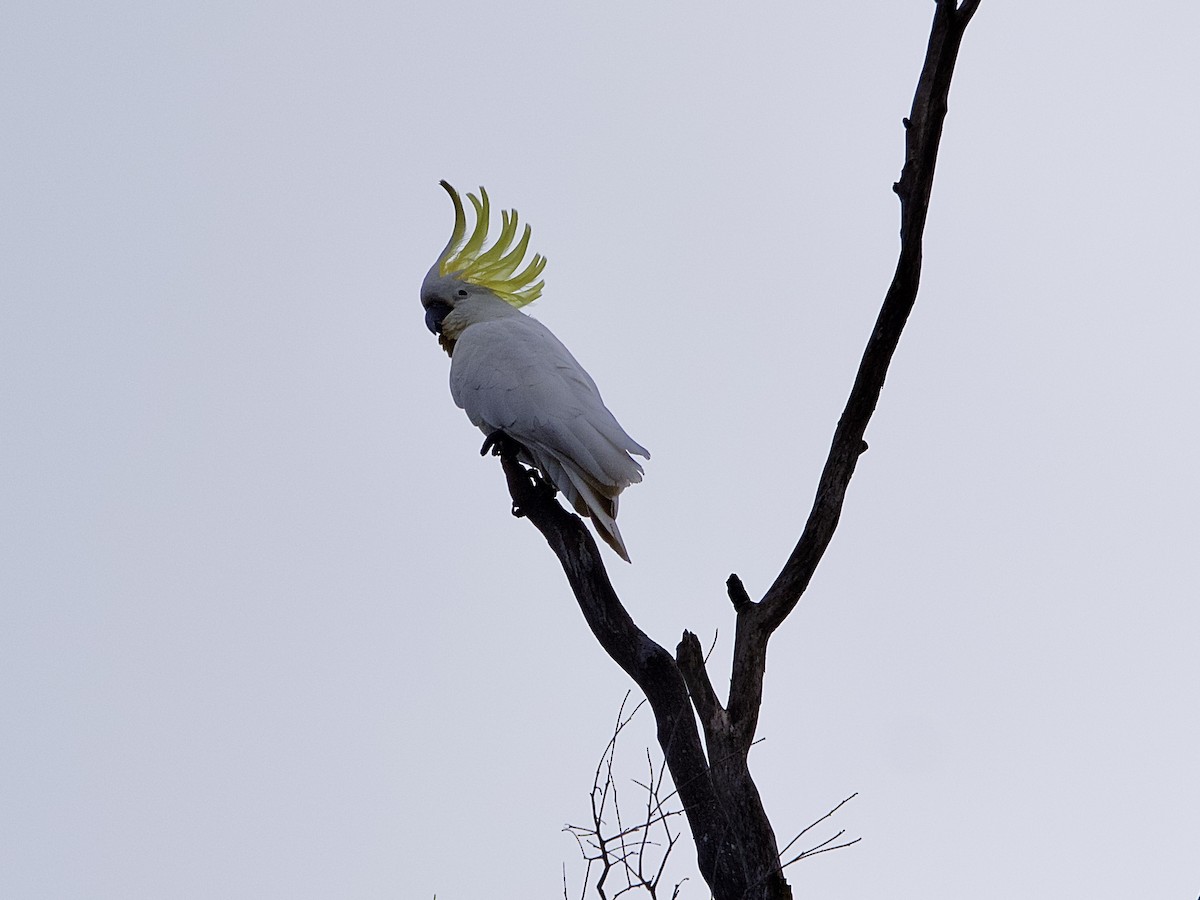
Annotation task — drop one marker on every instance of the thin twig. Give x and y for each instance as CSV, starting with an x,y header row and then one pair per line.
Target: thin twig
x,y
822,847
813,825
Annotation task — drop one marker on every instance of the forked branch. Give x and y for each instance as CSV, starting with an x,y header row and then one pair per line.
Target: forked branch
x,y
735,844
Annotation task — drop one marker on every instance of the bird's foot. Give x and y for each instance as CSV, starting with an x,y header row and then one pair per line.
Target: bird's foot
x,y
499,444
541,490
539,487
541,483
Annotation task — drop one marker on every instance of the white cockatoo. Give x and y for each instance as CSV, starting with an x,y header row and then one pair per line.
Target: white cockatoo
x,y
512,376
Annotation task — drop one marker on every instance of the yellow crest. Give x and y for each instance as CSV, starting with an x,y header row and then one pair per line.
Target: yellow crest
x,y
493,268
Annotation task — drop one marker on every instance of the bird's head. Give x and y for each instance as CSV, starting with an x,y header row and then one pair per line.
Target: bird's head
x,y
467,276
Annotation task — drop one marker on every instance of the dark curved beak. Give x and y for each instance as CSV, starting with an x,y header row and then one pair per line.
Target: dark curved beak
x,y
434,314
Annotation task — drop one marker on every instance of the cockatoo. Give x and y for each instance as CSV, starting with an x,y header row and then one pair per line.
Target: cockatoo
x,y
513,377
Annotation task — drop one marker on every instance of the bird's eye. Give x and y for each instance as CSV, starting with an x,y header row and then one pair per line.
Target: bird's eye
x,y
461,292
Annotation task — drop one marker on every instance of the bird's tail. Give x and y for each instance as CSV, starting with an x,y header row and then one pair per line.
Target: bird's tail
x,y
597,502
605,522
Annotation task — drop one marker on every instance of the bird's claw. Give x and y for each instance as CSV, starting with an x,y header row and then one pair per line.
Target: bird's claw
x,y
539,485
496,443
500,444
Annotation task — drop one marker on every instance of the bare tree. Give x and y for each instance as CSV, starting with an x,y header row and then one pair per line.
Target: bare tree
x,y
735,844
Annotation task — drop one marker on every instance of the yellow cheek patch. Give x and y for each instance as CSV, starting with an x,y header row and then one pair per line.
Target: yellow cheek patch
x,y
453,325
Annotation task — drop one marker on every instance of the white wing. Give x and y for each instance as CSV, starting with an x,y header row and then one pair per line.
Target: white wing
x,y
512,374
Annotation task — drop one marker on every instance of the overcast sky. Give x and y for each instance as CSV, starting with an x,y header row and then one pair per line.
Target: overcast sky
x,y
267,628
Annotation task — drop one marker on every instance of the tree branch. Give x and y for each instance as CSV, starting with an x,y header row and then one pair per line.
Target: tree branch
x,y
923,130
650,666
690,657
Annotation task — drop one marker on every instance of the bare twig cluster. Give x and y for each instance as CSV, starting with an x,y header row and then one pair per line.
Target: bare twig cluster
x,y
633,853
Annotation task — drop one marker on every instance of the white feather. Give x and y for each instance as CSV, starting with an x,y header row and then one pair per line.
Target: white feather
x,y
510,373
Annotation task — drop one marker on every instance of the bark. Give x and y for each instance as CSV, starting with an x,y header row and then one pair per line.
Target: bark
x,y
736,847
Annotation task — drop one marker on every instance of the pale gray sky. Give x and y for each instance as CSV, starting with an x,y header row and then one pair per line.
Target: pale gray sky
x,y
268,629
